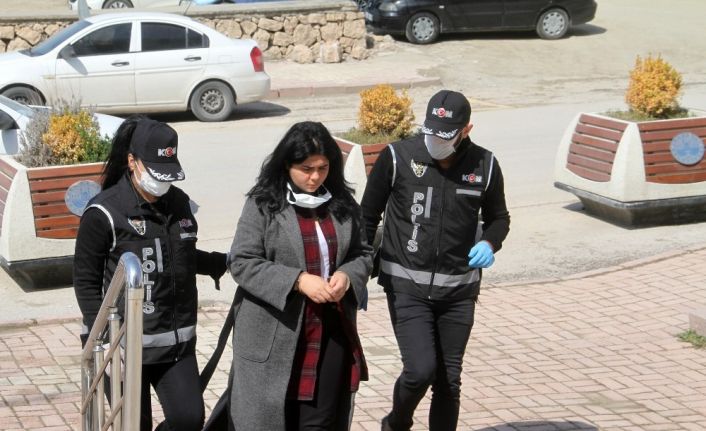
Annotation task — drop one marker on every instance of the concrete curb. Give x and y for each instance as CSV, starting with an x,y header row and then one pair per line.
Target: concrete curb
x,y
329,90
25,323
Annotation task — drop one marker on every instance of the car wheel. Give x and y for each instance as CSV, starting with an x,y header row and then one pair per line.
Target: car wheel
x,y
24,95
212,101
422,28
553,24
117,4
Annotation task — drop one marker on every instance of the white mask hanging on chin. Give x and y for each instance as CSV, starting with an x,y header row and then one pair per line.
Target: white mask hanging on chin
x,y
306,200
150,185
439,148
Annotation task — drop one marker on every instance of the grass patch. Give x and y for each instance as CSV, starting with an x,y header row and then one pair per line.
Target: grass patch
x,y
638,116
363,138
690,336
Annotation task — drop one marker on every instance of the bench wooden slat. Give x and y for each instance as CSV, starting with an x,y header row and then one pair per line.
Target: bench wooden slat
x,y
594,165
7,169
657,147
58,183
660,157
603,122
5,182
47,197
682,178
344,146
588,174
590,130
593,153
668,135
674,168
370,159
56,222
594,142
67,233
372,148
64,171
685,123
51,210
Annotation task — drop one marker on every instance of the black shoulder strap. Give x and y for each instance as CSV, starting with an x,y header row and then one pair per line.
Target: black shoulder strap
x,y
210,367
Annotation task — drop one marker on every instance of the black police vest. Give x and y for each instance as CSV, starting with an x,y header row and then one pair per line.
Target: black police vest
x,y
165,244
432,221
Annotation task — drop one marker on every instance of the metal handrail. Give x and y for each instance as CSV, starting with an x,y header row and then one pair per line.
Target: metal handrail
x,y
127,279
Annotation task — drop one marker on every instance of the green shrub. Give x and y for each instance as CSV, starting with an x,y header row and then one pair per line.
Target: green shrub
x,y
691,336
654,88
64,135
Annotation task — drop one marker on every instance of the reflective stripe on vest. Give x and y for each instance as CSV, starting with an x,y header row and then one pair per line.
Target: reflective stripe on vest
x,y
168,338
424,277
110,219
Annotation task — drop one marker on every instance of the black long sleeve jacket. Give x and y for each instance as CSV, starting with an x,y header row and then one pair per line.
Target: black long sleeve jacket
x,y
432,217
163,236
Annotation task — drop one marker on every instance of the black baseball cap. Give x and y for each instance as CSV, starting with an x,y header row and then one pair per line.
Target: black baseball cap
x,y
155,144
448,112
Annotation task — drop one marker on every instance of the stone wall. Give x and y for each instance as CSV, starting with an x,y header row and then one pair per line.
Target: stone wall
x,y
328,32
326,37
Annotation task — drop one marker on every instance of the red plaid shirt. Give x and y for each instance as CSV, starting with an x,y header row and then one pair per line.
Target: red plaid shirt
x,y
302,383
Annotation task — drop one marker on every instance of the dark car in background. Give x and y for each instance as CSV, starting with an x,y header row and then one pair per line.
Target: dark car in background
x,y
422,21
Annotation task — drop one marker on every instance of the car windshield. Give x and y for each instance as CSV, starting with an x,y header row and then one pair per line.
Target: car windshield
x,y
16,106
58,38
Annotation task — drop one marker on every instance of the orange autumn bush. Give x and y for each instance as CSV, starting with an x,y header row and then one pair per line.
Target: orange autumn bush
x,y
383,112
65,135
654,87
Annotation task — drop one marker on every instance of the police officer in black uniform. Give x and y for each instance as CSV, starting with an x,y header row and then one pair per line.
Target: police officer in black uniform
x,y
139,210
433,189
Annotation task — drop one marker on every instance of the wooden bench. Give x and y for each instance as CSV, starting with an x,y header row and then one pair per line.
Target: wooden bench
x,y
52,218
593,146
660,165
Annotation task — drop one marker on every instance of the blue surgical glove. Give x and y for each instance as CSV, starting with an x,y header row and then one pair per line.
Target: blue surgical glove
x,y
481,255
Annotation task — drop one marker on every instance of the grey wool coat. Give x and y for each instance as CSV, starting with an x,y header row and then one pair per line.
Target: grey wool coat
x,y
267,256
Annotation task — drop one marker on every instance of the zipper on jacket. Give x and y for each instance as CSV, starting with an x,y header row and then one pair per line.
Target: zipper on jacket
x,y
438,235
174,295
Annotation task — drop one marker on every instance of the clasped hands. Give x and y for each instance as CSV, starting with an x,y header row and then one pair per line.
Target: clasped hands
x,y
320,291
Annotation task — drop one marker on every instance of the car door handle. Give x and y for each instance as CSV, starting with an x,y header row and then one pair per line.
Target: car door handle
x,y
192,58
120,63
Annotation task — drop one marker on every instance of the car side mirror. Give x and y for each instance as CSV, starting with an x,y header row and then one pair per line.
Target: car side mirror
x,y
7,122
67,52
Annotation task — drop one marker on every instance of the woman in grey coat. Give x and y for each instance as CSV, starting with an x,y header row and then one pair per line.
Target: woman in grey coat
x,y
301,262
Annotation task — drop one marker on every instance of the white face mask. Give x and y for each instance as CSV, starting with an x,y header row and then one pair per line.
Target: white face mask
x,y
439,148
306,200
150,185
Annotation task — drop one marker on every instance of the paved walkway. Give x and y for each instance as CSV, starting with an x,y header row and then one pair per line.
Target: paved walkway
x,y
597,351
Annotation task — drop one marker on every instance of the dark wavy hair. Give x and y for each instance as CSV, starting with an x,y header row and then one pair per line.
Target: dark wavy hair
x,y
302,140
116,164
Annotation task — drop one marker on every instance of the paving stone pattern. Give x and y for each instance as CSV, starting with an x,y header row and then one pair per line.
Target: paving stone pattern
x,y
593,352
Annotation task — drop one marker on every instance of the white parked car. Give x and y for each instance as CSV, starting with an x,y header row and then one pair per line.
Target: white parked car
x,y
139,62
119,4
15,116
